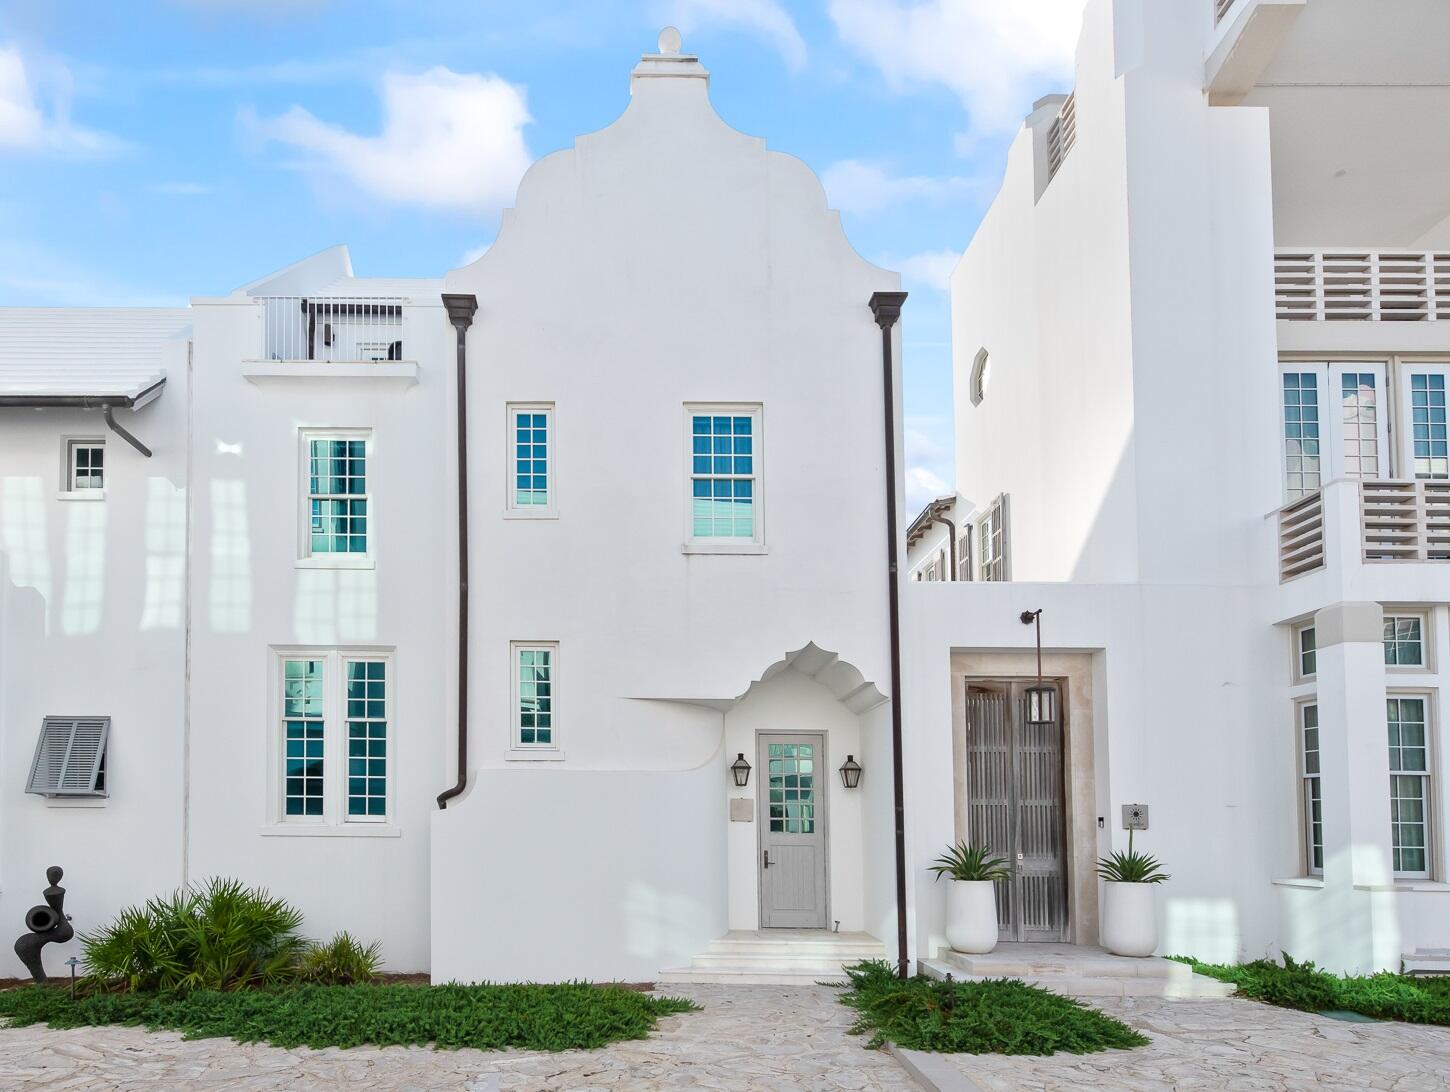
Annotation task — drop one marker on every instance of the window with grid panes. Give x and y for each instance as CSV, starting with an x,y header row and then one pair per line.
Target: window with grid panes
x,y
1360,408
1308,654
1301,433
1431,447
724,454
86,465
992,541
530,462
964,553
304,742
337,495
335,746
1312,787
791,780
1409,786
367,739
535,721
1404,640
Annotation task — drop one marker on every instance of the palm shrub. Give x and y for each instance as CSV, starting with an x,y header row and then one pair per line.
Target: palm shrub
x,y
967,862
342,961
221,935
1131,867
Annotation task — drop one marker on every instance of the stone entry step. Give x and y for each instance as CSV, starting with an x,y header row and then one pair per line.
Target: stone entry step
x,y
788,957
1079,971
1427,961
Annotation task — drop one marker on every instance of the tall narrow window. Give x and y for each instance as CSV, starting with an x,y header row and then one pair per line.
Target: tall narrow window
x,y
1301,433
992,541
964,553
535,712
1404,640
86,465
1312,788
1409,786
724,475
303,728
1359,403
1306,655
531,462
337,495
367,740
1428,425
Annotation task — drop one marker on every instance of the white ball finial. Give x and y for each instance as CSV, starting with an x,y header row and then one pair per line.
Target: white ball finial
x,y
670,42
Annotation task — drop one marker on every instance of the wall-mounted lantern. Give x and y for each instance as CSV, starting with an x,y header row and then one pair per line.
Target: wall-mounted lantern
x,y
740,770
850,772
1041,705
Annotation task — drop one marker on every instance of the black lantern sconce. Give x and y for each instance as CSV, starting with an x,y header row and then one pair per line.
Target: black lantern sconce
x,y
740,770
1041,700
850,772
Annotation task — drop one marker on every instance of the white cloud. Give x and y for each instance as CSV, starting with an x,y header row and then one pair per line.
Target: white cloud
x,y
932,268
997,56
765,18
449,140
853,185
922,487
30,123
183,189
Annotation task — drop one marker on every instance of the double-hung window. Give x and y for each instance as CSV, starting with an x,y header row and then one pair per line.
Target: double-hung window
x,y
1306,653
531,459
1335,423
1409,786
338,516
85,466
334,711
993,543
1426,423
964,552
535,665
725,475
1311,787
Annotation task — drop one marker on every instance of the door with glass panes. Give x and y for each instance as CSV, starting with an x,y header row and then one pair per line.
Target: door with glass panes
x,y
792,807
1334,423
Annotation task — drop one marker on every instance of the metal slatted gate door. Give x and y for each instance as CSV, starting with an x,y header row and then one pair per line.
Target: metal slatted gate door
x,y
1015,805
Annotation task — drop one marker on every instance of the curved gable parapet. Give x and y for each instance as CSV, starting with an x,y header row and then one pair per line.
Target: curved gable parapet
x,y
669,179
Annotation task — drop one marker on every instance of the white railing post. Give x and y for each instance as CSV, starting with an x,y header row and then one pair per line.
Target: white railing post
x,y
355,329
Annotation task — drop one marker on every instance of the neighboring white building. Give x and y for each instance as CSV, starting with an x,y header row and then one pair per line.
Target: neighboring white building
x,y
672,336
1201,343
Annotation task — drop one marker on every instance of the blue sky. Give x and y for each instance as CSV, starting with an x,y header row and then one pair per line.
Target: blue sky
x,y
151,151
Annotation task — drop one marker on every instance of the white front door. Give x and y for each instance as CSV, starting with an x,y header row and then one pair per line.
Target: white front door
x,y
792,807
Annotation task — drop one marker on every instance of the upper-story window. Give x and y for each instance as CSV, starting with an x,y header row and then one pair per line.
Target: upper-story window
x,y
725,455
337,501
993,542
1429,443
85,465
1409,786
1335,422
964,553
531,459
335,716
1306,654
1405,640
535,667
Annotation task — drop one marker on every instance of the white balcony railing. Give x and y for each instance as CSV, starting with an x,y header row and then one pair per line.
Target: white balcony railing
x,y
1301,536
332,328
1405,520
1062,135
1362,285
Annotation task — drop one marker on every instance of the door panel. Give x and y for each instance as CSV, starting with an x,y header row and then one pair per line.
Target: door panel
x,y
1016,807
792,808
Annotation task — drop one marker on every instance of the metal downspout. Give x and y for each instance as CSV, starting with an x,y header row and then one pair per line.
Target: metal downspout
x,y
886,308
461,309
951,541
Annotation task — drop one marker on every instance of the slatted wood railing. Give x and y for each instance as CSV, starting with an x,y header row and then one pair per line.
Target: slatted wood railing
x,y
1405,520
1301,536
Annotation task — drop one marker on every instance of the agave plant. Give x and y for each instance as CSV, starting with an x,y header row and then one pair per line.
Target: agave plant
x,y
1131,867
966,862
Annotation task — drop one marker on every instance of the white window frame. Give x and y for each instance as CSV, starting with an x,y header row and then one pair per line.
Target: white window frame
x,y
715,545
306,558
335,751
1298,652
999,512
1426,644
68,490
1333,444
517,748
512,509
1405,420
1427,776
1309,782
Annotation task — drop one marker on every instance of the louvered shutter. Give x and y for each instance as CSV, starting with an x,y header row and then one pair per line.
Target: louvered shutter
x,y
69,757
964,553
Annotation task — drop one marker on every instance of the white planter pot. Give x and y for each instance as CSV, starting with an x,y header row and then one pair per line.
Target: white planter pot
x,y
1130,923
971,916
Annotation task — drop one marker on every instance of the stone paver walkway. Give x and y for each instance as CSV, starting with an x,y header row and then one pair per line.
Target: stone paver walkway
x,y
1232,1045
745,1039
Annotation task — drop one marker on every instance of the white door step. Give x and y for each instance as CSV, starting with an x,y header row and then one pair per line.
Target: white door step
x,y
1087,962
1079,982
783,960
778,956
752,976
1427,961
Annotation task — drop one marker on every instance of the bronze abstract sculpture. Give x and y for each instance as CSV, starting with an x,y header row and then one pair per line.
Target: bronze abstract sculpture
x,y
47,924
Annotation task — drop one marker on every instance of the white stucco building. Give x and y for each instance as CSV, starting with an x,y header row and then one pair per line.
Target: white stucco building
x,y
1201,345
239,655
